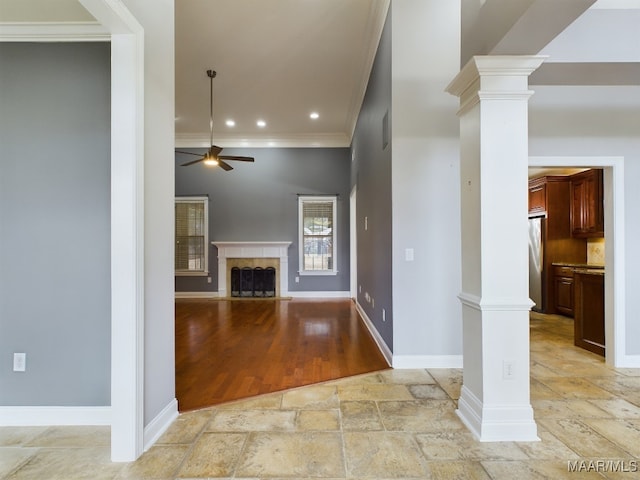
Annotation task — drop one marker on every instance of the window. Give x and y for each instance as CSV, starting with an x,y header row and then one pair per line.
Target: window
x,y
192,236
317,232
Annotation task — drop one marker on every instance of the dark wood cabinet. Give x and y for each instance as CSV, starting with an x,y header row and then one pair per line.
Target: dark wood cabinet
x,y
587,207
538,196
589,311
563,290
549,196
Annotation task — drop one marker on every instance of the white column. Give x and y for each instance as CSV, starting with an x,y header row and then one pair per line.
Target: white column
x,y
495,401
127,226
222,275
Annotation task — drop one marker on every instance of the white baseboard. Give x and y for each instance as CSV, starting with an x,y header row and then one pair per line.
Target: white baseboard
x,y
46,416
427,361
333,294
196,295
382,346
156,427
630,361
501,423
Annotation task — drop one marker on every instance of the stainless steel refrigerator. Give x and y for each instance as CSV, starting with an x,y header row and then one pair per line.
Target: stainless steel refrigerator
x,y
536,247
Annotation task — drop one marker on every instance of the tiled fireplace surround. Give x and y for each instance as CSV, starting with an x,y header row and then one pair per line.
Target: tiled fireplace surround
x,y
253,254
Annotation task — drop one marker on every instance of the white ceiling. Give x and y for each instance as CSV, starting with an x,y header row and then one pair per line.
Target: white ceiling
x,y
43,11
279,60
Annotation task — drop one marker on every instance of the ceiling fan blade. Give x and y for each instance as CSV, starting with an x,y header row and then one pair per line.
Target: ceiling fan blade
x,y
215,150
192,162
237,158
189,153
224,165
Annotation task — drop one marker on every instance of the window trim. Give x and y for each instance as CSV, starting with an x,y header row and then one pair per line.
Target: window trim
x,y
195,273
302,199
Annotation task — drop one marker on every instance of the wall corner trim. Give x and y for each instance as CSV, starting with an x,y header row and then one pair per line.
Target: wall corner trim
x,y
382,346
157,426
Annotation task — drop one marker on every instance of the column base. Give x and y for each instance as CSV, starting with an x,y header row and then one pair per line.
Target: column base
x,y
496,423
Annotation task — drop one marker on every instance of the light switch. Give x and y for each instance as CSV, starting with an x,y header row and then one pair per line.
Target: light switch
x,y
408,254
19,362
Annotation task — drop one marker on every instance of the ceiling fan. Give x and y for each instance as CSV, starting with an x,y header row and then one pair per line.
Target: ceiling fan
x,y
213,157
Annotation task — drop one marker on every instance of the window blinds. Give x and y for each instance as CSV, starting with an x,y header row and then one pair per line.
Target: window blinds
x,y
190,236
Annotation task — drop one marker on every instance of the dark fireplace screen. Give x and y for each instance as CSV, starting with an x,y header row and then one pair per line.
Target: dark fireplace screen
x,y
253,282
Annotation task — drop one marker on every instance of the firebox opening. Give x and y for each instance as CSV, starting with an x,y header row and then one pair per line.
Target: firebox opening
x,y
253,282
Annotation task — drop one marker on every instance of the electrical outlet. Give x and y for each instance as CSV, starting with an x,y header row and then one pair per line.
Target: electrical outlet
x,y
508,370
19,362
297,279
208,279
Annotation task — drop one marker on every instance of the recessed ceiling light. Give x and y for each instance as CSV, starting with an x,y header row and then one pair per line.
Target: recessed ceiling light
x,y
314,115
230,123
261,123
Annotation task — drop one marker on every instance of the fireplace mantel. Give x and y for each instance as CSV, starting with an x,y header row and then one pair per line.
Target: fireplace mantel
x,y
253,250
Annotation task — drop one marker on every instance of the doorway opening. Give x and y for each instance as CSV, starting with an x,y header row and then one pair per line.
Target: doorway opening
x,y
614,287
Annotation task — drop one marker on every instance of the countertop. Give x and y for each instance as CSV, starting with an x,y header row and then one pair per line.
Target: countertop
x,y
589,271
583,268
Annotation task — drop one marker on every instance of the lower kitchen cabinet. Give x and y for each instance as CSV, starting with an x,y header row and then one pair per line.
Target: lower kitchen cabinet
x,y
563,290
589,311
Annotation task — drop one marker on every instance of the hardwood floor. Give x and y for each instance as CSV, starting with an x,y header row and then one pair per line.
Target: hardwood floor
x,y
232,349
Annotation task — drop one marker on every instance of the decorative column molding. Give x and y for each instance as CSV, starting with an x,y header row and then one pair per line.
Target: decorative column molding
x,y
495,401
494,77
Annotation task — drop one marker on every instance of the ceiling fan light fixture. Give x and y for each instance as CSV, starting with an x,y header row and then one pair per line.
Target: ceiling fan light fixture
x,y
211,161
212,157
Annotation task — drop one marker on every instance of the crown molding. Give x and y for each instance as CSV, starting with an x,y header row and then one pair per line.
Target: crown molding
x,y
329,140
375,26
53,32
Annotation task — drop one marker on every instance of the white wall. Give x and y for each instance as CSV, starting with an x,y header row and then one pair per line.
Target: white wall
x,y
157,19
425,184
597,121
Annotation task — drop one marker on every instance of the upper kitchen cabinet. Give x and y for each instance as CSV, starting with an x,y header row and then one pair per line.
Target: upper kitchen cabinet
x,y
550,199
538,196
587,208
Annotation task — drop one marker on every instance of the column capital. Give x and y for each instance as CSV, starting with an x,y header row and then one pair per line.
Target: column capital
x,y
494,76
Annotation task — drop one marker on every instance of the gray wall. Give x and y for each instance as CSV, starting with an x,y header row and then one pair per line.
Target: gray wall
x,y
371,174
258,202
54,223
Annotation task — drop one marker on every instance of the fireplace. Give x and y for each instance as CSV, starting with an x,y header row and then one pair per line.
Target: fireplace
x,y
253,282
254,256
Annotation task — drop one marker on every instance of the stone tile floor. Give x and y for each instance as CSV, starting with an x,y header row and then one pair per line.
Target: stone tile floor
x,y
384,425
